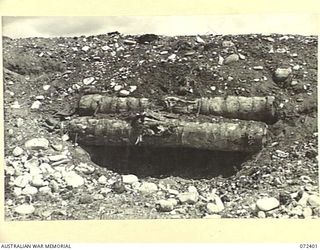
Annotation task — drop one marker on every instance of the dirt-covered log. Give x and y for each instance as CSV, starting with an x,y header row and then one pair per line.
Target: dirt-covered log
x,y
238,107
90,104
243,136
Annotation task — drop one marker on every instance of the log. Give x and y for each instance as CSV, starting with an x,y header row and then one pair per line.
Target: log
x,y
238,107
90,104
241,136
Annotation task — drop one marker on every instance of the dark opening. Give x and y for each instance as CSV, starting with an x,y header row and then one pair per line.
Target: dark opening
x,y
163,162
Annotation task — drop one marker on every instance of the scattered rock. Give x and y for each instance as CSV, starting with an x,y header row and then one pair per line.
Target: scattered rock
x,y
45,168
88,80
46,87
20,122
192,189
188,197
282,154
242,57
118,187
132,88
199,40
72,179
22,180
85,199
37,181
65,137
148,187
304,199
24,209
129,179
85,168
33,163
284,198
261,215
124,93
98,197
29,190
258,67
227,44
36,105
298,211
267,204
102,180
17,151
231,59
166,205
15,105
37,143
314,200
129,42
17,191
55,158
45,190
282,74
57,147
85,48
307,212
173,191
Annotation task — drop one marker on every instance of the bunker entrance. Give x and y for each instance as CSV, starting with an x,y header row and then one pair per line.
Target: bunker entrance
x,y
164,161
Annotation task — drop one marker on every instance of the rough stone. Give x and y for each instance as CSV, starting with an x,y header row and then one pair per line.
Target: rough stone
x,y
102,180
188,197
304,199
24,209
45,168
314,200
307,212
17,151
267,204
32,163
37,181
56,158
37,143
17,191
261,215
85,168
36,105
57,147
124,92
192,189
281,74
29,190
148,187
72,179
129,179
20,122
231,59
227,44
88,80
22,180
166,205
215,207
45,190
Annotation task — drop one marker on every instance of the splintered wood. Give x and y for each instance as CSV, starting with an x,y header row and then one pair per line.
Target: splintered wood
x,y
238,107
243,136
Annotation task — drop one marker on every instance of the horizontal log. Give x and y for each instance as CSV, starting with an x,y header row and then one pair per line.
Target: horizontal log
x,y
243,136
238,107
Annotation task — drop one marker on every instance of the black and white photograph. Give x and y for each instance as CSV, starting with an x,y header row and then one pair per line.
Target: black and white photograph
x,y
160,117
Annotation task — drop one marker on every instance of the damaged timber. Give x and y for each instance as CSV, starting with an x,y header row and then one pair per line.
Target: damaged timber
x,y
159,131
237,107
